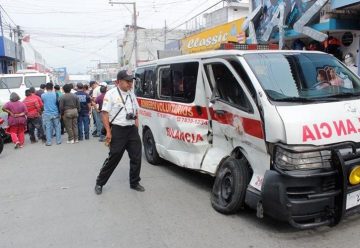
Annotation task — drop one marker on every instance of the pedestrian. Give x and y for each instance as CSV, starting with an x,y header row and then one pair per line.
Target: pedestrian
x,y
59,94
41,90
84,118
16,119
33,116
72,88
86,89
41,134
69,108
95,93
99,102
120,110
51,115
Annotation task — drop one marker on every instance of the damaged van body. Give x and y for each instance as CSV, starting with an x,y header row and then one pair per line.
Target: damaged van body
x,y
279,130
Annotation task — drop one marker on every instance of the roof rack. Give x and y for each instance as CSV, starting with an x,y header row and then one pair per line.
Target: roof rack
x,y
236,46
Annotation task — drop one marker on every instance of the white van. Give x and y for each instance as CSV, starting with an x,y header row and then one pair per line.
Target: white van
x,y
279,130
19,82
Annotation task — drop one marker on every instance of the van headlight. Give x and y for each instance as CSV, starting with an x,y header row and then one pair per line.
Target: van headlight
x,y
296,160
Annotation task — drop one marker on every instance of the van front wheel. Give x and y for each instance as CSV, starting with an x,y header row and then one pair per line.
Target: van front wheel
x,y
151,153
228,194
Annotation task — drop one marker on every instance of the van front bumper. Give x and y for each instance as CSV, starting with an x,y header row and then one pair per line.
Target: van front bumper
x,y
311,198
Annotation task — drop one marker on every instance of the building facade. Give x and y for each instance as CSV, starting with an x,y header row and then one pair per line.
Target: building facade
x,y
11,55
150,42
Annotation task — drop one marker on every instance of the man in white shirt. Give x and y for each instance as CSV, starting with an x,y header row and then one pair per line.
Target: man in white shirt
x,y
119,110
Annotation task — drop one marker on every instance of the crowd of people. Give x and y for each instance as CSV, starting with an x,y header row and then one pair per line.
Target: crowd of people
x,y
44,113
47,112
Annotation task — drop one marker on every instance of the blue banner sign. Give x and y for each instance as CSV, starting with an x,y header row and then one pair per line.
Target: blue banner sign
x,y
9,48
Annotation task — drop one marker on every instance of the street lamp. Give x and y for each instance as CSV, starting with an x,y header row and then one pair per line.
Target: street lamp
x,y
134,25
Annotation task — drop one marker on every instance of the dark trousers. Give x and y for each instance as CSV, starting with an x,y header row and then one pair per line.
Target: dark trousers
x,y
83,126
123,138
35,123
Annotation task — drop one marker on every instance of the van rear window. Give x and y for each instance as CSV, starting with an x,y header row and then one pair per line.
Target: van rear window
x,y
10,82
34,81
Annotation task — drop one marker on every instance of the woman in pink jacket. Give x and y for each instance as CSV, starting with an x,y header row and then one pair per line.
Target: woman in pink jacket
x,y
16,119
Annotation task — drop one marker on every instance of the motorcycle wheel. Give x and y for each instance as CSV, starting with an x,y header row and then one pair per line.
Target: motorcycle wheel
x,y
1,145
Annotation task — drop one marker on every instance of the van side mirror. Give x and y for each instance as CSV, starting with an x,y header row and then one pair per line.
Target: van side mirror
x,y
214,98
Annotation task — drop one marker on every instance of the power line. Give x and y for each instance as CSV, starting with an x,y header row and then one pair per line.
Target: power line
x,y
193,17
7,15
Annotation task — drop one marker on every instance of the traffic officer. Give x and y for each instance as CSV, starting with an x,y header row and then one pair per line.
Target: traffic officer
x,y
120,122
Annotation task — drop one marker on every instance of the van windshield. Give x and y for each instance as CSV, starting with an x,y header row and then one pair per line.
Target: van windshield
x,y
10,82
34,81
302,77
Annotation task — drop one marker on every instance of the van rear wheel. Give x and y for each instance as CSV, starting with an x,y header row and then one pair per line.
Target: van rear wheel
x,y
229,189
151,153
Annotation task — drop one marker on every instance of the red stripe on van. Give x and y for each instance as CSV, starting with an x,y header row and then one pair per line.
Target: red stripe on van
x,y
250,126
253,128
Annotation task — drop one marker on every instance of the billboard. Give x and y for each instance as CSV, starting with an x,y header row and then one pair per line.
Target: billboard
x,y
61,73
211,39
270,15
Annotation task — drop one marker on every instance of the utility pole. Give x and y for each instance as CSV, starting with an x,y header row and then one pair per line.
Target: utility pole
x,y
165,31
1,24
19,36
134,26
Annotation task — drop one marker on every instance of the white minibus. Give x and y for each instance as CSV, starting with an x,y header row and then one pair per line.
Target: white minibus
x,y
279,130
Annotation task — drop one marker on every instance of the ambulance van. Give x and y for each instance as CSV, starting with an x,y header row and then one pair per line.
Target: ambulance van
x,y
279,130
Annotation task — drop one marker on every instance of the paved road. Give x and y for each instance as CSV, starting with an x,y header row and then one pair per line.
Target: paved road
x,y
47,200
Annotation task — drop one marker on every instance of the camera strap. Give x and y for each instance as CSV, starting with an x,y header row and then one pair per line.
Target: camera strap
x,y
120,108
116,115
124,102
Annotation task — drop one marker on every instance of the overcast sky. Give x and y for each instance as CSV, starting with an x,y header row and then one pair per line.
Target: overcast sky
x,y
78,33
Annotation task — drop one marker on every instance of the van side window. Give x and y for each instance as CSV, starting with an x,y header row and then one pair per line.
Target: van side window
x,y
145,82
244,77
184,78
139,83
178,81
228,87
165,82
149,83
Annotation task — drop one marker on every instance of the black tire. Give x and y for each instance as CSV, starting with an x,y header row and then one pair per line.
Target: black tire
x,y
151,153
232,179
1,145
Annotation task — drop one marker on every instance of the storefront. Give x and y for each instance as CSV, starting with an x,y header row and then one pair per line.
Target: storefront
x,y
211,39
10,55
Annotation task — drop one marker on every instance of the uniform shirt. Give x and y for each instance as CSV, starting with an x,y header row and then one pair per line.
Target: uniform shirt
x,y
112,104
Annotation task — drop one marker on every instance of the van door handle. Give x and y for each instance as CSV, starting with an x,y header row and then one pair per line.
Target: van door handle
x,y
220,112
